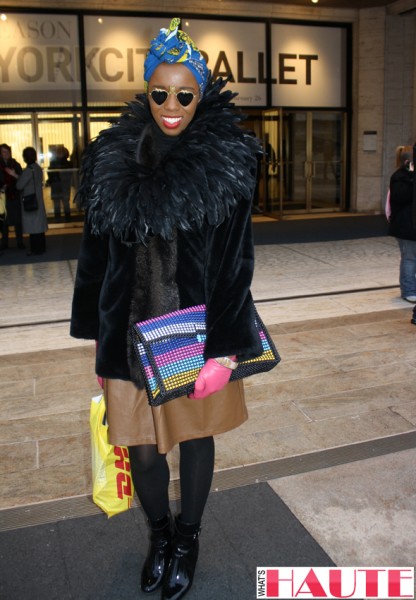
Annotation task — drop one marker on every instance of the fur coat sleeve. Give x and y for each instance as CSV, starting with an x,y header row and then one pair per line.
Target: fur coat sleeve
x,y
92,265
215,267
229,271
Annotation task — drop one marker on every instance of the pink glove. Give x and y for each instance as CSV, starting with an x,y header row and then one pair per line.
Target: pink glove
x,y
212,378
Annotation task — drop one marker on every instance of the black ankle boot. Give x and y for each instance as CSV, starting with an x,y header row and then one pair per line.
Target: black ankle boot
x,y
158,556
181,569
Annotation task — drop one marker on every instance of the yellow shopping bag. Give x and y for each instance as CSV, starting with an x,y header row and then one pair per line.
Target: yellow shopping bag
x,y
111,477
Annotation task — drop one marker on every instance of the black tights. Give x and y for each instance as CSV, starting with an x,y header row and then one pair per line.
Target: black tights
x,y
150,473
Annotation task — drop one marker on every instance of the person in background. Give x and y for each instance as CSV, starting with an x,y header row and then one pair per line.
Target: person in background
x,y
2,203
13,215
167,191
31,182
2,196
401,224
60,178
413,320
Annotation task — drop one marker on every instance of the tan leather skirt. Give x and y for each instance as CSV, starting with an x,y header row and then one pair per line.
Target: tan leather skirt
x,y
132,422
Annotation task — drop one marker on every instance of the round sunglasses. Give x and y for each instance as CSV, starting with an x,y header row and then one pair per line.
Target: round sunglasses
x,y
184,97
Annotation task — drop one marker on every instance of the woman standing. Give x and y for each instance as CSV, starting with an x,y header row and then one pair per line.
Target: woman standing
x,y
31,182
167,192
401,224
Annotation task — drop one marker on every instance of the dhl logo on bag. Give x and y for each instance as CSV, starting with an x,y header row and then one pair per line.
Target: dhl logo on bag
x,y
111,478
124,485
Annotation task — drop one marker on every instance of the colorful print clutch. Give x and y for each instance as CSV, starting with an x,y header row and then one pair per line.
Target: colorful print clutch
x,y
170,352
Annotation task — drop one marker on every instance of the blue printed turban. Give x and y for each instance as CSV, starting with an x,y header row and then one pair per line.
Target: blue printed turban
x,y
175,46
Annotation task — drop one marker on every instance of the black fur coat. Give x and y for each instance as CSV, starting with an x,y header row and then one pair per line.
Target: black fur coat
x,y
168,225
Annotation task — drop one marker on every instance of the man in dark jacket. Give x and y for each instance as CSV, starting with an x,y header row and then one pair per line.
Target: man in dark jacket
x,y
13,209
60,179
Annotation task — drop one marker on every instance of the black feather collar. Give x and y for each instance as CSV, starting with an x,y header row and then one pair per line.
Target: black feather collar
x,y
134,186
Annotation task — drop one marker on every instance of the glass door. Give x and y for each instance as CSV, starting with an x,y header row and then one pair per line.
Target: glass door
x,y
295,166
328,161
304,164
56,138
270,163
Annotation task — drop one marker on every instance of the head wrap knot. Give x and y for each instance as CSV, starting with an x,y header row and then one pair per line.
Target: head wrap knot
x,y
175,46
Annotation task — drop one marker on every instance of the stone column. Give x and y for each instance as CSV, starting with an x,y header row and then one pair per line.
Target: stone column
x,y
368,137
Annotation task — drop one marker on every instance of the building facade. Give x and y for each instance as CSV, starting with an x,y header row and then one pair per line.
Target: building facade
x,y
330,92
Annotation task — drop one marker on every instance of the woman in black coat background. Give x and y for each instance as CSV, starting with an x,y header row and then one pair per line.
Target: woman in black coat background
x,y
167,191
402,226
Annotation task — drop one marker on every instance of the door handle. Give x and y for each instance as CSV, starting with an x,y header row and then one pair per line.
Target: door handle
x,y
309,169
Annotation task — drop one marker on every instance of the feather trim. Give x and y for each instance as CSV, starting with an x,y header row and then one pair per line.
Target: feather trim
x,y
130,188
